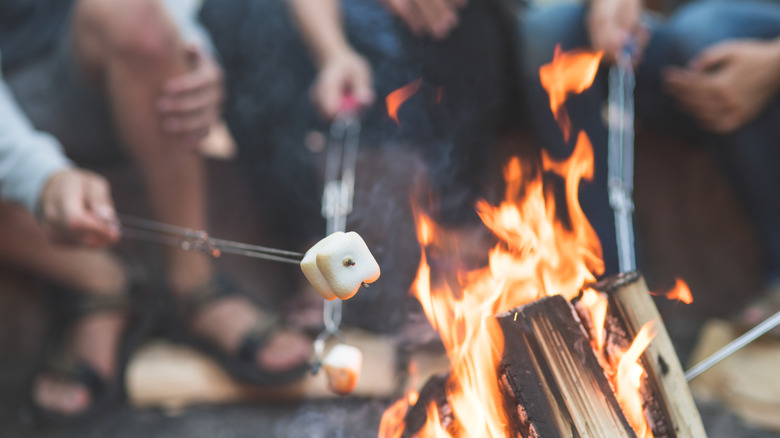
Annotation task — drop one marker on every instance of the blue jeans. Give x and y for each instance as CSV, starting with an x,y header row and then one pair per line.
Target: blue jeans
x,y
749,156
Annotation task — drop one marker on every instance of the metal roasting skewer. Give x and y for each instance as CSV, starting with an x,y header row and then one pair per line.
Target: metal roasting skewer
x,y
198,240
337,201
620,182
733,346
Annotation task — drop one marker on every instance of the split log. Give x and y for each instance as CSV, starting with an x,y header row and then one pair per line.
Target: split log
x,y
553,383
669,399
173,376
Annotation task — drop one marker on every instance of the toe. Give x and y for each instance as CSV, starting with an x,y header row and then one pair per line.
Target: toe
x,y
62,397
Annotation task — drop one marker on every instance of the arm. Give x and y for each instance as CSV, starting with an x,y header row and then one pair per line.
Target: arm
x,y
321,28
28,158
73,205
341,71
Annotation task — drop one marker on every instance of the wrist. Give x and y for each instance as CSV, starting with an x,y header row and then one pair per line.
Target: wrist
x,y
334,51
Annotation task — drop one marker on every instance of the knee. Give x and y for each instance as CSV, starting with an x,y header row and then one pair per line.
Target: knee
x,y
140,30
697,26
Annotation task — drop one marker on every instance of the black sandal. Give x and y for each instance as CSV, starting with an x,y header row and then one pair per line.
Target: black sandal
x,y
104,394
241,365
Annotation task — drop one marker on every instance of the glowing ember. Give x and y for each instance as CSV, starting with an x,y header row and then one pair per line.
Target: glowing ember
x,y
680,292
629,379
395,99
542,250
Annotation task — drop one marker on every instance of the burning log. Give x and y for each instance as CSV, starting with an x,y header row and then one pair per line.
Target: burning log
x,y
668,400
553,382
434,391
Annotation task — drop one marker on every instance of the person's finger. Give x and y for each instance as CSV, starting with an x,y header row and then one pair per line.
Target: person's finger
x,y
203,76
186,124
101,205
329,94
407,11
192,101
76,221
362,86
712,57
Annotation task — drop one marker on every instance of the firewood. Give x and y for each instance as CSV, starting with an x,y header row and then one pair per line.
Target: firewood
x,y
630,307
553,383
172,377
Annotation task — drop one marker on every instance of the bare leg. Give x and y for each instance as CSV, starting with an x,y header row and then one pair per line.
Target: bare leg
x,y
130,48
94,337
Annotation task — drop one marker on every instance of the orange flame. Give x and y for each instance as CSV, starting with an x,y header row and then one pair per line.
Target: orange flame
x,y
569,72
539,252
433,429
392,425
629,379
395,99
596,305
680,292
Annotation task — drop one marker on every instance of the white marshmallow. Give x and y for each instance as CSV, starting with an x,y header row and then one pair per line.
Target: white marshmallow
x,y
339,264
342,367
312,272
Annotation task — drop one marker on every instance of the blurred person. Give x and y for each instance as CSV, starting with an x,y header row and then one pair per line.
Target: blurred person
x,y
709,73
459,54
725,75
97,75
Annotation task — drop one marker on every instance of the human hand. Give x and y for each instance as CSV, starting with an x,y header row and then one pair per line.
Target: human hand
x,y
436,18
728,84
342,75
191,103
77,208
612,24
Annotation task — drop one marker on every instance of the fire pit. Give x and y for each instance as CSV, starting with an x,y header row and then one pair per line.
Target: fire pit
x,y
537,347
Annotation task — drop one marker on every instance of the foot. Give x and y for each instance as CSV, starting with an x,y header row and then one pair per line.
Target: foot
x,y
94,340
226,321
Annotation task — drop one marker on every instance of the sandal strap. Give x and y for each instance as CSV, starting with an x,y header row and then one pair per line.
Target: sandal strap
x,y
103,303
77,371
191,303
256,338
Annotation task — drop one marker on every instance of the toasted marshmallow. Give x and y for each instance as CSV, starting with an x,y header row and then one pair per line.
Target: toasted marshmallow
x,y
339,264
342,368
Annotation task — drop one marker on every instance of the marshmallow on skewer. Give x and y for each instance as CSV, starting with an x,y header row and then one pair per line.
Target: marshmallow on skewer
x,y
339,264
342,368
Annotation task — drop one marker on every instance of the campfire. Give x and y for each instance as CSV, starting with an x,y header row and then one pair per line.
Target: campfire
x,y
537,347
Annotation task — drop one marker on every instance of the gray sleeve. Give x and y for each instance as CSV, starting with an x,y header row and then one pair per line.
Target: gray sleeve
x,y
27,157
